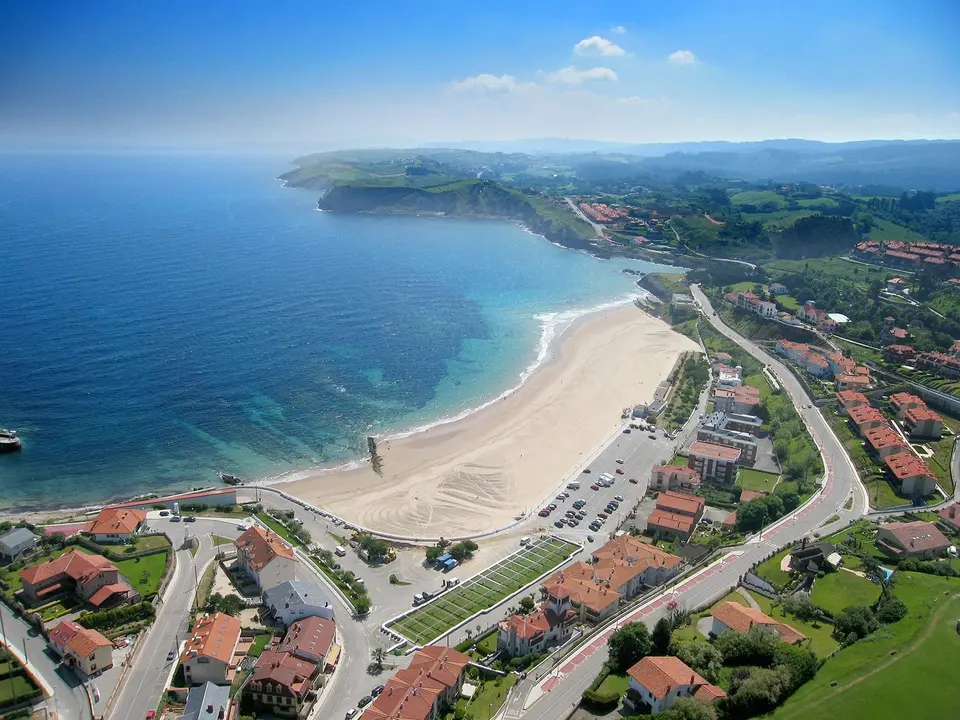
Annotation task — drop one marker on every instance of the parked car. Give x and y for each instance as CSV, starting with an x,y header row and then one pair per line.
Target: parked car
x,y
581,514
560,523
633,481
351,713
241,527
151,714
189,518
175,518
619,461
594,487
364,701
652,436
377,690
552,506
619,471
544,513
340,551
590,538
626,431
164,513
602,515
618,498
570,513
587,470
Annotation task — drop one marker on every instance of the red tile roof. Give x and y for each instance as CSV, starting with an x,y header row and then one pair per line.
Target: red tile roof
x,y
213,635
73,564
921,414
661,674
901,399
117,521
740,619
863,414
670,521
848,397
711,450
86,642
906,465
107,592
411,693
682,503
289,674
263,546
309,636
917,536
61,634
882,438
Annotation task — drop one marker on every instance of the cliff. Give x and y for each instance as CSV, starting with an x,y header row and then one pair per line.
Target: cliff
x,y
465,198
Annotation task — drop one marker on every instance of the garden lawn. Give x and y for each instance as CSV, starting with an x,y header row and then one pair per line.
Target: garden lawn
x,y
485,589
819,634
770,570
917,681
689,632
832,266
487,645
488,699
758,381
219,540
837,590
757,480
615,683
16,689
144,573
259,643
152,542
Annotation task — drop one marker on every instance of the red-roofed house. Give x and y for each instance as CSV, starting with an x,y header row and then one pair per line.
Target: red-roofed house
x,y
86,650
885,441
116,525
951,516
213,651
551,625
847,399
73,572
265,557
916,539
912,474
310,639
865,417
676,515
281,683
674,477
657,681
922,422
903,401
791,350
734,616
852,382
814,363
940,363
425,689
898,353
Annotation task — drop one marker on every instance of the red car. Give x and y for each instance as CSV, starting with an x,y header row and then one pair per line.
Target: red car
x,y
544,513
619,471
633,481
602,515
151,714
594,487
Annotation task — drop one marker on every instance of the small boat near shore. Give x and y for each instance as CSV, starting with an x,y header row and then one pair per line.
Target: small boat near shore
x,y
229,479
9,442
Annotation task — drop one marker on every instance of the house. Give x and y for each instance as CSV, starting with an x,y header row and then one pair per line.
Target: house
x,y
741,399
727,376
282,684
310,639
852,382
896,285
885,441
676,515
791,350
840,364
778,288
912,474
207,702
116,525
893,336
656,683
296,599
551,625
939,363
916,539
674,477
429,686
898,353
744,442
92,578
903,401
265,558
15,543
212,652
85,650
950,515
619,569
848,399
716,463
734,616
814,363
740,422
864,418
811,557
922,422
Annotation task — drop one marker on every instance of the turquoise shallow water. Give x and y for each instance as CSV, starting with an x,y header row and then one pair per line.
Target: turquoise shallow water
x,y
169,316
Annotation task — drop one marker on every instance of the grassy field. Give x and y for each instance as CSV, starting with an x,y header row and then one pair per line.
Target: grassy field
x,y
484,590
144,573
886,230
15,688
750,479
758,197
899,671
770,570
952,197
832,266
219,540
780,218
835,591
488,699
820,640
860,354
789,302
758,381
820,202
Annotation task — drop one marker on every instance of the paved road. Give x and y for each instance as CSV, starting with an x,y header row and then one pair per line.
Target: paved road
x,y
709,257
596,226
69,697
552,696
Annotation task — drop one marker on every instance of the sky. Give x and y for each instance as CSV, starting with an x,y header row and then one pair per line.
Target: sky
x,y
315,75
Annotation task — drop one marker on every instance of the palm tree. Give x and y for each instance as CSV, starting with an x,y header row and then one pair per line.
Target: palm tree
x,y
378,654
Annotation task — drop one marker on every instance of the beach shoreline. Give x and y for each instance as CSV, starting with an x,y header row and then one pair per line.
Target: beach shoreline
x,y
475,473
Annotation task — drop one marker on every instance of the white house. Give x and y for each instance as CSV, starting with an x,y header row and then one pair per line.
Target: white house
x,y
265,558
116,525
294,600
86,650
17,542
658,681
210,653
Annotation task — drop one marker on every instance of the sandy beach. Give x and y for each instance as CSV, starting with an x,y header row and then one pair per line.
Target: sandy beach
x,y
477,473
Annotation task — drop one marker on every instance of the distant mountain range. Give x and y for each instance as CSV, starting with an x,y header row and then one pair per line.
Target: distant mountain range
x,y
906,164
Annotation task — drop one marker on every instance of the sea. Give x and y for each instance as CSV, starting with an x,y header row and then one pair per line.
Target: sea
x,y
169,316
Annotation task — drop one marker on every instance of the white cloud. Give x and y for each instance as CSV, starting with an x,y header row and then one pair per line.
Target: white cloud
x,y
597,45
575,76
636,100
618,29
485,82
683,57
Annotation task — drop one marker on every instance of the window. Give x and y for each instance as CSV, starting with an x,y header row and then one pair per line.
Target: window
x,y
92,657
93,667
203,659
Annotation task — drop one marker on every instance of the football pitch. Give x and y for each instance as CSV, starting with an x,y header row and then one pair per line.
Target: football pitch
x,y
483,590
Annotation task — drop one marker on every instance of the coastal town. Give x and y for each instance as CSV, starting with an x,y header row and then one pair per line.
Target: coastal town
x,y
727,506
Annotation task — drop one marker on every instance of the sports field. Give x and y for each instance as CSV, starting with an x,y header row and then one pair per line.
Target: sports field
x,y
483,590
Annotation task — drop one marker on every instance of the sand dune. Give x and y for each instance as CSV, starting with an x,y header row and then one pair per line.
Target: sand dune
x,y
477,473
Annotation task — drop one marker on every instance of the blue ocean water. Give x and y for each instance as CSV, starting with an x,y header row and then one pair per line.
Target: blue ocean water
x,y
165,317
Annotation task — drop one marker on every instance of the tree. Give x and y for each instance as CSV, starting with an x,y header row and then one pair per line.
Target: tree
x,y
801,607
660,637
755,647
702,657
433,553
854,620
890,608
803,663
378,655
761,691
527,605
628,645
690,709
362,604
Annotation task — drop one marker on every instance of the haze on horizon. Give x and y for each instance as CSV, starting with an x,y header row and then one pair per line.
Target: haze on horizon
x,y
310,76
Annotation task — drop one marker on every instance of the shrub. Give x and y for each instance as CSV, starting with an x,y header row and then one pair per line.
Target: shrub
x,y
854,620
600,701
756,647
890,609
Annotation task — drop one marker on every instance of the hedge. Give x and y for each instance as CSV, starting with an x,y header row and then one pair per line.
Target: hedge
x,y
601,701
120,616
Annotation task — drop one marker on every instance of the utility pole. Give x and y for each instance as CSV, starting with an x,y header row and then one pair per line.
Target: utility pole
x,y
196,589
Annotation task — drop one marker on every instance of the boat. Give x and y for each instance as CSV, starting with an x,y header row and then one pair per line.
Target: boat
x,y
9,442
229,479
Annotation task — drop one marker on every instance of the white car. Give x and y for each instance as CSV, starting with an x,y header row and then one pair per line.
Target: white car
x,y
619,461
340,551
241,527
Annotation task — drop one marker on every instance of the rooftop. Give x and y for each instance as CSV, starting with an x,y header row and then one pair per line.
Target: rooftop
x,y
906,465
682,503
203,697
117,521
85,642
661,674
73,563
296,593
884,437
670,521
214,635
712,450
917,536
309,636
901,399
921,414
17,536
263,546
863,414
740,619
846,397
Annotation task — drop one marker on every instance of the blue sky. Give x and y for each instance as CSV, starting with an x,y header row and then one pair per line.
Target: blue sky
x,y
326,73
